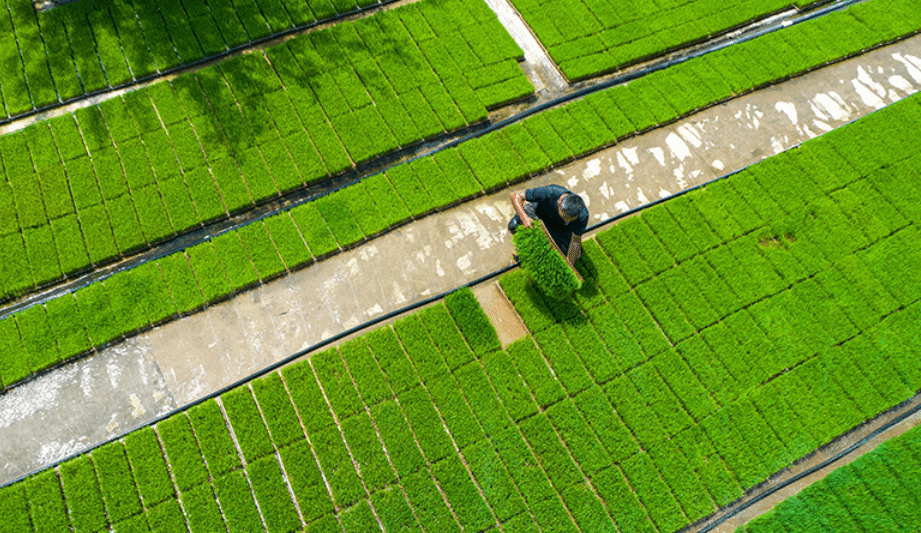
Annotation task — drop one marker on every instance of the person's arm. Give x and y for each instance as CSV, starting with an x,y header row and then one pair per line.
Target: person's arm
x,y
575,249
518,199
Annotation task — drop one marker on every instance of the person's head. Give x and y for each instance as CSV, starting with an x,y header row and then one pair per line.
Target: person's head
x,y
570,207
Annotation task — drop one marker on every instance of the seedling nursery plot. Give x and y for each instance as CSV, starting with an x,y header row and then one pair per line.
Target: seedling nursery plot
x,y
159,161
590,37
639,405
238,260
875,491
92,45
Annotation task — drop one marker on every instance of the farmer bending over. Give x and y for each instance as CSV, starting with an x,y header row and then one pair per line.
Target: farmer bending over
x,y
562,211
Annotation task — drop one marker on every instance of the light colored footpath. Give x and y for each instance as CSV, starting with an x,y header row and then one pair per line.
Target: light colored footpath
x,y
128,385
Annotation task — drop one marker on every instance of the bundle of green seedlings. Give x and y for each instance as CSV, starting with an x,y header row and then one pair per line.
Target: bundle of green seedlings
x,y
546,265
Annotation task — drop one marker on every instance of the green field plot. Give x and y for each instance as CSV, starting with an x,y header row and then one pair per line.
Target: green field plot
x,y
166,158
591,37
874,491
644,407
196,174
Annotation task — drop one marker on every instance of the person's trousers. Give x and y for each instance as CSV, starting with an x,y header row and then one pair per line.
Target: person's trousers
x,y
529,209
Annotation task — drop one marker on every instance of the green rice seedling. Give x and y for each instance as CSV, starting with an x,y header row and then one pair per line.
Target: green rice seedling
x,y
510,162
115,482
482,398
554,278
421,113
127,295
364,210
535,372
146,119
151,473
156,298
664,310
118,119
306,481
601,364
886,254
551,513
337,466
647,245
472,321
82,182
685,384
414,196
207,268
283,168
624,255
309,163
190,95
232,120
135,164
42,254
493,478
618,339
178,202
546,137
27,195
166,517
739,457
447,337
613,489
577,435
772,455
394,511
15,149
358,517
610,430
597,266
93,129
428,503
41,146
261,250
679,474
16,275
639,418
384,196
505,92
72,254
213,436
570,130
246,421
397,437
567,366
185,460
288,240
205,194
524,295
314,230
660,398
67,326
458,417
426,358
231,185
160,154
67,137
336,383
477,155
366,449
307,397
734,357
472,512
432,178
81,493
161,48
426,424
393,360
237,505
102,326
586,508
41,347
523,466
370,380
865,397
335,212
46,501
278,510
854,202
186,145
283,113
783,419
545,442
181,282
126,228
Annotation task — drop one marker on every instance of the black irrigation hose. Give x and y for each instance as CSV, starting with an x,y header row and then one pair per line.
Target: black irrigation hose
x,y
196,63
276,366
253,216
